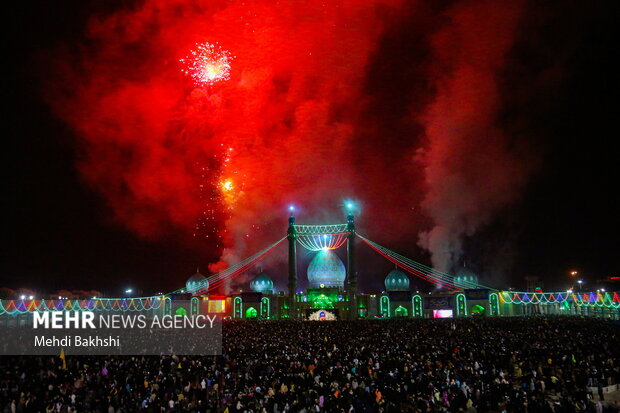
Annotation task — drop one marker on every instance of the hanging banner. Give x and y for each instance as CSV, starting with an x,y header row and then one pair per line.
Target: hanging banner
x,y
477,294
437,303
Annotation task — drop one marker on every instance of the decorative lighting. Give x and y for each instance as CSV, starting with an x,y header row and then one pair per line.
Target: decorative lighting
x,y
349,205
322,242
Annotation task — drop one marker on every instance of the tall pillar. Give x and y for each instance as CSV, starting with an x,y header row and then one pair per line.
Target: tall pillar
x,y
292,267
351,268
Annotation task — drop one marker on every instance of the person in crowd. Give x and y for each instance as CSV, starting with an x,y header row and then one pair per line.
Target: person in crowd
x,y
520,364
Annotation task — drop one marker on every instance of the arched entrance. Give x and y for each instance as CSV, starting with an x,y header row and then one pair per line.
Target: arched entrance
x,y
401,311
478,310
180,311
385,306
251,312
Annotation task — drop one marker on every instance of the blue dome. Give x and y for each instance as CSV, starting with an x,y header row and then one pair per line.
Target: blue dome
x,y
326,270
397,280
197,282
262,284
466,278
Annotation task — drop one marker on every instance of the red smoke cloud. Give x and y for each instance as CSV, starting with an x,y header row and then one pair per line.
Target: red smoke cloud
x,y
472,172
218,164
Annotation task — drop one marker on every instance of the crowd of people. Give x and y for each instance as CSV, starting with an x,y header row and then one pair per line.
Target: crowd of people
x,y
521,364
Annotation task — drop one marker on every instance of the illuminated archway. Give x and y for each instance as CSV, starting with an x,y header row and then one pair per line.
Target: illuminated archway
x,y
494,304
461,305
478,310
167,306
180,311
384,304
194,306
251,312
417,306
237,307
265,307
401,312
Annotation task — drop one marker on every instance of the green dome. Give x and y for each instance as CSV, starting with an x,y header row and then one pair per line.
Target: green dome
x,y
466,278
197,282
326,270
397,280
262,284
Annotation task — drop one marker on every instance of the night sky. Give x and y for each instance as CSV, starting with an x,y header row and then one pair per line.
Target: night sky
x,y
466,131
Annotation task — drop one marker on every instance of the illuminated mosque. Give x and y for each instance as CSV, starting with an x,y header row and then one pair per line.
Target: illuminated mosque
x,y
332,286
332,291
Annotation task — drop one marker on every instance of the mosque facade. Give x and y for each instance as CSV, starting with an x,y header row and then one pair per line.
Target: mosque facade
x,y
332,293
326,297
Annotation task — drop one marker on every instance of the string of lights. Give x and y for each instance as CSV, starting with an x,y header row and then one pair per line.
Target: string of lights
x,y
217,279
321,229
437,277
402,264
322,242
14,307
588,299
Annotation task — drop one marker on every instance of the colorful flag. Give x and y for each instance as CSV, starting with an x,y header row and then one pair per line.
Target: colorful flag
x,y
63,358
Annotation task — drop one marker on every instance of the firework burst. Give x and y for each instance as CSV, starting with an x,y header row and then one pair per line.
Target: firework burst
x,y
207,64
